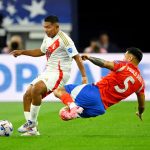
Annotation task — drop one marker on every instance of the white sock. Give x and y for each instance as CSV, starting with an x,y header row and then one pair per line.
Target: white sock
x,y
27,115
71,105
34,110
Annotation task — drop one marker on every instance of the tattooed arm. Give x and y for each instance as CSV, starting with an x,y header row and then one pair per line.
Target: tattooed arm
x,y
99,62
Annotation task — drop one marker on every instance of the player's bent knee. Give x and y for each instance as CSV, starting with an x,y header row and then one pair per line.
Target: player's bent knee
x,y
36,91
38,88
59,92
27,95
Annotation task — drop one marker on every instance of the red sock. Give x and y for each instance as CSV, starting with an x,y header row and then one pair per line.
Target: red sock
x,y
66,99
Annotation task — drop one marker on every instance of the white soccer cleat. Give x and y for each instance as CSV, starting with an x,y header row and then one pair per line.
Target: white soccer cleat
x,y
27,126
31,132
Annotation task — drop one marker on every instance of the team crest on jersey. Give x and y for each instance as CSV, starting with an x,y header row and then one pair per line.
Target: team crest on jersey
x,y
70,50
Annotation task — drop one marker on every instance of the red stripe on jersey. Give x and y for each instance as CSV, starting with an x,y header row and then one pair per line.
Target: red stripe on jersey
x,y
60,77
52,48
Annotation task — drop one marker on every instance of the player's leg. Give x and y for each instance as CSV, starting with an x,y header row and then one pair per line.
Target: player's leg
x,y
87,97
64,94
48,82
38,89
38,84
27,103
27,99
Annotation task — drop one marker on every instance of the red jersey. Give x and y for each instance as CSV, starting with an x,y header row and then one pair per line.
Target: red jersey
x,y
121,82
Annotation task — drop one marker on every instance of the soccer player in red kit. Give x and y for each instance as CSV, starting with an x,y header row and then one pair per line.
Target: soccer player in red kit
x,y
91,100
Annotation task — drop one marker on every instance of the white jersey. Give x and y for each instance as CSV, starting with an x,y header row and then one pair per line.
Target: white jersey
x,y
59,52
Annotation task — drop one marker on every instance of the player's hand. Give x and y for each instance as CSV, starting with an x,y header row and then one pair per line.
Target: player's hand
x,y
84,80
85,56
139,115
16,53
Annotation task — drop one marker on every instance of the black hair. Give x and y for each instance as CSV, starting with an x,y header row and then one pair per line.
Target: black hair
x,y
52,19
136,52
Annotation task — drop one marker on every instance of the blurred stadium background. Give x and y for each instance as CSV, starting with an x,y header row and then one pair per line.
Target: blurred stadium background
x,y
126,25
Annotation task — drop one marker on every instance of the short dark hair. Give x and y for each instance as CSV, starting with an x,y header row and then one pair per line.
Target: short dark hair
x,y
52,19
136,52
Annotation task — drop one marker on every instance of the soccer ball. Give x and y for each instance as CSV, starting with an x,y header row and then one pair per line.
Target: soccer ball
x,y
6,128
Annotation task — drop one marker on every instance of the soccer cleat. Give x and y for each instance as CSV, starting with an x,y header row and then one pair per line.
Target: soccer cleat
x,y
31,132
27,126
69,114
76,111
64,113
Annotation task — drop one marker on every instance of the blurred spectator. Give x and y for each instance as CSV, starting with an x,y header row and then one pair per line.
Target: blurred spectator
x,y
93,47
15,43
105,45
2,34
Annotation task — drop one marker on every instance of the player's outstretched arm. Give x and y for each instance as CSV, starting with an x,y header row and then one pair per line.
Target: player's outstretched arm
x,y
33,53
79,62
99,62
141,105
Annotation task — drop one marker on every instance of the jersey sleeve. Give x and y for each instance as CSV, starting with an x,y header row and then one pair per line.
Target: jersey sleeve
x,y
118,65
71,49
68,45
43,45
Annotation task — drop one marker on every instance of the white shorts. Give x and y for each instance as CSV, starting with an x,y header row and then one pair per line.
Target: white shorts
x,y
52,80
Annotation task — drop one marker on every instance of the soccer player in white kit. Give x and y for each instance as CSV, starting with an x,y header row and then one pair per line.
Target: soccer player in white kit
x,y
60,51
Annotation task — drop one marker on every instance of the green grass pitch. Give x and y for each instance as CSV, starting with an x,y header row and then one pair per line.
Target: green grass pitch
x,y
118,129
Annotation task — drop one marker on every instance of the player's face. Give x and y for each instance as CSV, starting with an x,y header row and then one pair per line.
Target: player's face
x,y
50,29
